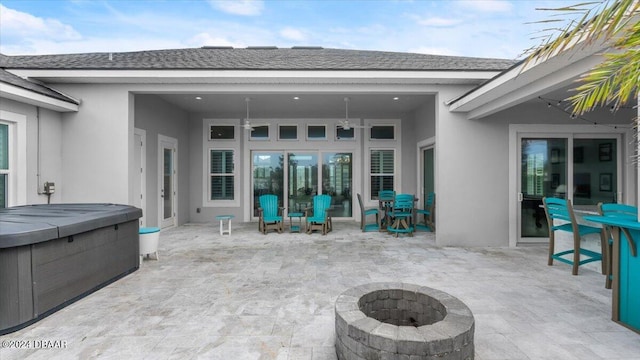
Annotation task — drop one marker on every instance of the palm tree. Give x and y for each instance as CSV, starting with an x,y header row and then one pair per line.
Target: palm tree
x,y
615,81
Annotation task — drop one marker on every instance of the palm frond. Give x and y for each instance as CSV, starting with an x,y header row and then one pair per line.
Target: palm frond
x,y
602,21
615,80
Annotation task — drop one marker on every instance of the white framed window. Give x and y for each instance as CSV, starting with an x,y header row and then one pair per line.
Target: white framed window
x,y
344,134
382,166
14,159
287,132
222,132
316,132
222,175
5,171
221,181
382,132
259,133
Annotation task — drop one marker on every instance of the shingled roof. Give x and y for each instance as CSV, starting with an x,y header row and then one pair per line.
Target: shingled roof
x,y
9,78
258,58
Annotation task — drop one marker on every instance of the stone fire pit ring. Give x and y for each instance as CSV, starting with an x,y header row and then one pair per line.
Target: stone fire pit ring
x,y
401,321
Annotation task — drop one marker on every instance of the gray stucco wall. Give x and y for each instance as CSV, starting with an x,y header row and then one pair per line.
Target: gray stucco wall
x,y
49,149
96,144
473,164
157,117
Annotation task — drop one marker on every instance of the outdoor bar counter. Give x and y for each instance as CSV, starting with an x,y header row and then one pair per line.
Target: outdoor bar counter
x,y
53,255
626,269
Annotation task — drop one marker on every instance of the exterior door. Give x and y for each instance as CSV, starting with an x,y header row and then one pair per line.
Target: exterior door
x,y
583,169
268,175
139,178
297,179
337,175
543,173
168,148
428,171
302,179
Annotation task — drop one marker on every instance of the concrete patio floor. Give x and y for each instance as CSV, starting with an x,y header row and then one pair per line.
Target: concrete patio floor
x,y
251,296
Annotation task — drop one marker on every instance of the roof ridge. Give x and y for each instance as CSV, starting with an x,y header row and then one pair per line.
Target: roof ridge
x,y
256,58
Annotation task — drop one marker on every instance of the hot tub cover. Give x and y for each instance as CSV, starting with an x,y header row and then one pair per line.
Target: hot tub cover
x,y
30,224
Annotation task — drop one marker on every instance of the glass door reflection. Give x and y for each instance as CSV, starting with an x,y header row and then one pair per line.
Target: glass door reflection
x,y
302,182
543,172
268,176
595,171
337,176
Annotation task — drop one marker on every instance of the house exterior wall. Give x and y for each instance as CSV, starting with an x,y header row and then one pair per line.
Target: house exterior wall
x,y
410,124
424,124
96,143
475,171
425,132
471,170
157,117
49,149
201,212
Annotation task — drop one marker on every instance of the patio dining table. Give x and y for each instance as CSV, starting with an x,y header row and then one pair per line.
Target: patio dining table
x,y
385,206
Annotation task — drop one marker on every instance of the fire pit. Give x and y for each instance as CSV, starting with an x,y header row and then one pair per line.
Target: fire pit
x,y
400,321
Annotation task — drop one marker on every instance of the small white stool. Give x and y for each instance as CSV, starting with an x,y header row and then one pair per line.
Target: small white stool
x,y
149,237
222,219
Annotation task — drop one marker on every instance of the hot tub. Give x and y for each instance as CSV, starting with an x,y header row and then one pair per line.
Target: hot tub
x,y
53,255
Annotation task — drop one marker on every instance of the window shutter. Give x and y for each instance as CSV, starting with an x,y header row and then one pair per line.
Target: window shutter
x,y
222,175
382,171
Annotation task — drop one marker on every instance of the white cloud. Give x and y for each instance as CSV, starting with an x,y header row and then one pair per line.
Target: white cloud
x,y
486,5
293,34
239,7
434,51
88,45
438,22
19,24
206,39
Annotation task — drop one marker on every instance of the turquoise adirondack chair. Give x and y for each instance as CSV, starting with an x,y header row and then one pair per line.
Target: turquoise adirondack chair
x,y
623,211
319,217
364,212
427,213
270,214
561,210
401,215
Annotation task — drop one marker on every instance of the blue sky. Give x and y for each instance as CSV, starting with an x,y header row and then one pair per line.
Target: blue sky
x,y
481,28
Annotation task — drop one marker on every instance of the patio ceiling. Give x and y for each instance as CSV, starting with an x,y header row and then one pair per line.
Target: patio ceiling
x,y
314,105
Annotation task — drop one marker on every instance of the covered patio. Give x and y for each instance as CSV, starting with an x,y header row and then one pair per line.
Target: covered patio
x,y
251,296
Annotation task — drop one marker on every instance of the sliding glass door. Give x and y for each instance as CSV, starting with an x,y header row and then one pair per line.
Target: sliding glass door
x,y
303,175
268,176
302,182
582,169
336,181
543,173
595,171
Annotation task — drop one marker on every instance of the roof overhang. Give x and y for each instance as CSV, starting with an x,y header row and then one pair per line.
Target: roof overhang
x,y
23,95
528,80
255,76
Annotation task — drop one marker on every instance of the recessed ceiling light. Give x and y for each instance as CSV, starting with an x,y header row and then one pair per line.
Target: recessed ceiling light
x,y
198,98
396,98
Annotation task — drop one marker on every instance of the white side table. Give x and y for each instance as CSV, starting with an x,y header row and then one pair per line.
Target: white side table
x,y
149,237
222,219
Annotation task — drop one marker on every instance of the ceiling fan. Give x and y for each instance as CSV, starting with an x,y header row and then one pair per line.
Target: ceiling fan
x,y
247,124
345,124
